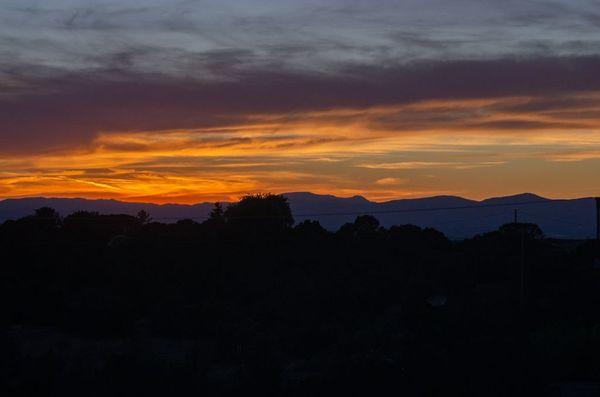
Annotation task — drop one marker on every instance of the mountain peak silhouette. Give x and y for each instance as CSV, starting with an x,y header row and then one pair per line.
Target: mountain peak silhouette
x,y
516,198
455,216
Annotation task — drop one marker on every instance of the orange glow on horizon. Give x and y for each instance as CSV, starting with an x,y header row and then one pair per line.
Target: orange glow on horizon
x,y
470,148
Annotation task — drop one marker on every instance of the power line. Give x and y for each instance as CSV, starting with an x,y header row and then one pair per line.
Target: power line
x,y
466,207
368,212
598,218
555,220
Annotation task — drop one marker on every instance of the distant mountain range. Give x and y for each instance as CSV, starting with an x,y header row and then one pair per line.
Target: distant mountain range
x,y
456,217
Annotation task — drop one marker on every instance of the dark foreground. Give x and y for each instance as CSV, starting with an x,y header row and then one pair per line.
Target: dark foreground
x,y
114,305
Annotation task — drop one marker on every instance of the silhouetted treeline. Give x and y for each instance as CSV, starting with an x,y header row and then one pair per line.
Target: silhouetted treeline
x,y
249,302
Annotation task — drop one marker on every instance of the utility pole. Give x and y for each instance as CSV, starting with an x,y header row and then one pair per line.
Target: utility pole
x,y
597,259
516,215
522,278
598,219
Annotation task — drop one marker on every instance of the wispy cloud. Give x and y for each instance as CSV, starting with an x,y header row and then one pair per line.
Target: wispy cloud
x,y
184,100
413,165
391,181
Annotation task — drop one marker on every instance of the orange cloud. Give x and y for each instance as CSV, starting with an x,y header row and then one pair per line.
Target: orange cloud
x,y
381,152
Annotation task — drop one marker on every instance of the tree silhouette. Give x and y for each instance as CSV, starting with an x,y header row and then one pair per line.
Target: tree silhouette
x,y
363,225
143,217
260,212
238,309
47,216
366,224
530,231
310,229
216,214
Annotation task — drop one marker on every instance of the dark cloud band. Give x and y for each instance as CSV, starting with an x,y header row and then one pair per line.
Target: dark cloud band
x,y
60,110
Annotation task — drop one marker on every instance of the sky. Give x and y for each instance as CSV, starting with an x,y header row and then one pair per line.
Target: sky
x,y
189,101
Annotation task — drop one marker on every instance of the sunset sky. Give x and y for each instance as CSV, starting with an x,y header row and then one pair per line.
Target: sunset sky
x,y
191,101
